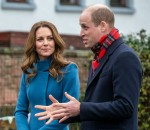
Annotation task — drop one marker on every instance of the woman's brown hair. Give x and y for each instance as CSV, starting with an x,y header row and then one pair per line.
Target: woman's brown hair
x,y
31,56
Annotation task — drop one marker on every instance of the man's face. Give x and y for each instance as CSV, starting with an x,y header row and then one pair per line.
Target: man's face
x,y
89,32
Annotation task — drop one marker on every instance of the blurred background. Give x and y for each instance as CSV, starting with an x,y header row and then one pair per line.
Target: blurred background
x,y
20,15
16,18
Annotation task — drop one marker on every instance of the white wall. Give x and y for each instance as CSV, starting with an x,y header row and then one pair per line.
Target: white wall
x,y
67,22
132,23
22,20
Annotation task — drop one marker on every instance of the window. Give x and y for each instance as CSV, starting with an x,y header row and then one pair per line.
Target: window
x,y
121,6
70,2
69,5
118,3
18,4
17,1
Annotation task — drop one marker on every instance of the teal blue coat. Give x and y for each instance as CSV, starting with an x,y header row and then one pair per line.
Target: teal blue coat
x,y
37,92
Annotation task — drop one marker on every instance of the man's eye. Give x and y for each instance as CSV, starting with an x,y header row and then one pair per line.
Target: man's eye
x,y
85,27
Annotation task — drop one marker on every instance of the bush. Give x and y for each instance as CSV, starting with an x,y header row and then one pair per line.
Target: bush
x,y
140,42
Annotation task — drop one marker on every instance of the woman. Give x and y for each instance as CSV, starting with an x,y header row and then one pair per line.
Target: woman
x,y
45,72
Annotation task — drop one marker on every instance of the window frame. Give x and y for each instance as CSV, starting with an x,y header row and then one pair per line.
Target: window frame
x,y
123,10
69,8
29,5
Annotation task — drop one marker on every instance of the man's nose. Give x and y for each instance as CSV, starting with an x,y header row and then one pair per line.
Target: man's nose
x,y
81,33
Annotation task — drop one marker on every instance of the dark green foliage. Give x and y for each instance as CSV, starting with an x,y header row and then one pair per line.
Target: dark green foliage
x,y
140,42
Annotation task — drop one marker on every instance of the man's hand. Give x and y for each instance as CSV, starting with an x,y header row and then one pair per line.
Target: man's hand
x,y
58,110
69,109
48,109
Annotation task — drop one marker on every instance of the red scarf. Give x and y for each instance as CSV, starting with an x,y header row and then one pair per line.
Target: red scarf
x,y
100,48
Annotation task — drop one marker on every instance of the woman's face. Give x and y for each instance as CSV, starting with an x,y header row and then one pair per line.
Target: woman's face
x,y
45,45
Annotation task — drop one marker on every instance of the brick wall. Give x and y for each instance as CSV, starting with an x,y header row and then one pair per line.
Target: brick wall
x,y
9,78
17,39
10,72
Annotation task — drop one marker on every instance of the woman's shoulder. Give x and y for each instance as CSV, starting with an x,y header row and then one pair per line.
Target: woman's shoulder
x,y
71,65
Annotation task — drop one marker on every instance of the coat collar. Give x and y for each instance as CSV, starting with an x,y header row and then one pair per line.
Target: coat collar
x,y
43,65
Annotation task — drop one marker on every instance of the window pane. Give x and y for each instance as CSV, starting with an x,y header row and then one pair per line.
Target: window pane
x,y
118,3
17,1
69,2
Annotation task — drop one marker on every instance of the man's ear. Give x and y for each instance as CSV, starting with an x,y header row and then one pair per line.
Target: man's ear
x,y
103,26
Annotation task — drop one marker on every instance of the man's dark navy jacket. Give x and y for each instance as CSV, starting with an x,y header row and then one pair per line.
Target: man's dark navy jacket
x,y
111,98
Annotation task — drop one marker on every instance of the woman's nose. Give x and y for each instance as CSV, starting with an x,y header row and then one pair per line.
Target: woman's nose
x,y
45,42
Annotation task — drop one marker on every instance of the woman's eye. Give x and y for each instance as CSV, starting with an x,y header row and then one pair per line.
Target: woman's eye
x,y
50,38
39,40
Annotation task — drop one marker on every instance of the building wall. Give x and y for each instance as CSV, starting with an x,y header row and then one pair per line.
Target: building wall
x,y
67,22
131,23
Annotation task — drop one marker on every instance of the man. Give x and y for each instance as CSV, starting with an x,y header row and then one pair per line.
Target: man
x,y
111,98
